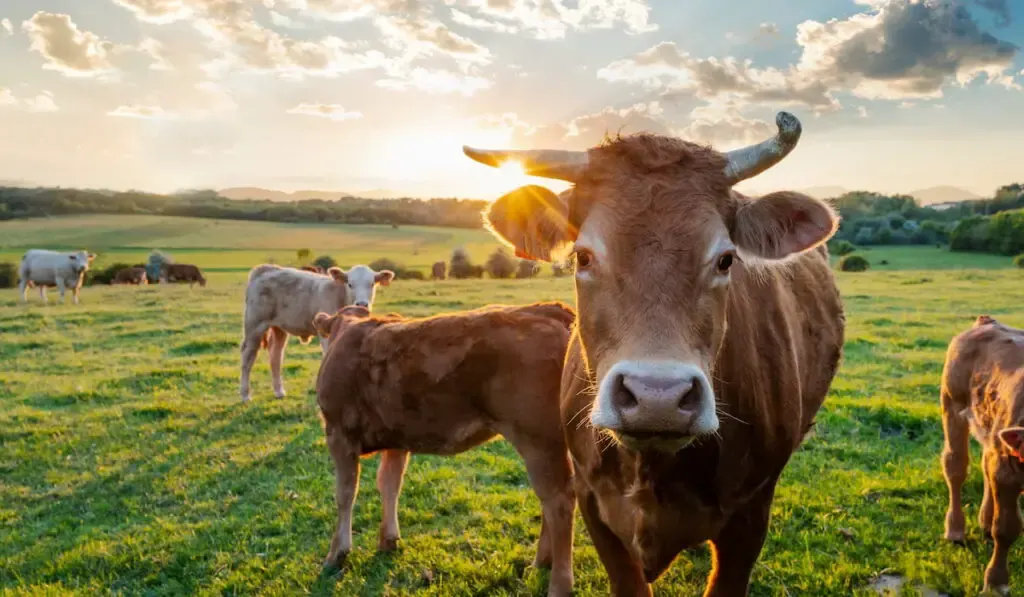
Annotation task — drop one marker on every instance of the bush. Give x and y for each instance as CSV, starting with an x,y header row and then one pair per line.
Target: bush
x,y
105,275
527,269
853,263
842,247
325,261
460,266
8,275
303,256
476,271
1018,261
156,263
413,274
500,264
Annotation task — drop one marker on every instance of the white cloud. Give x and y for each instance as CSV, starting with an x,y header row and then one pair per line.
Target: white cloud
x,y
140,112
159,11
285,21
723,125
66,48
433,81
7,97
329,111
6,26
862,111
487,25
41,103
155,50
551,19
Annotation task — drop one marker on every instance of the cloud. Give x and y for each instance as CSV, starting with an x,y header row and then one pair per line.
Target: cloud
x,y
724,125
329,111
66,48
433,81
140,112
862,111
285,21
155,50
420,35
1001,8
487,25
158,11
896,50
6,27
551,19
768,30
589,129
41,103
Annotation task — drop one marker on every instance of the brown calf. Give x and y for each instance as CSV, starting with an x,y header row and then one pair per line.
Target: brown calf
x,y
183,272
983,395
438,270
710,328
131,275
443,385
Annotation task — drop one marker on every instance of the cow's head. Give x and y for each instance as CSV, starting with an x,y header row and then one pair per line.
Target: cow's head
x,y
330,326
80,260
656,231
361,283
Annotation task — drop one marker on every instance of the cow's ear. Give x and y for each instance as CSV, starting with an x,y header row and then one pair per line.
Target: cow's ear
x,y
783,223
533,220
1013,439
384,277
337,274
322,323
92,256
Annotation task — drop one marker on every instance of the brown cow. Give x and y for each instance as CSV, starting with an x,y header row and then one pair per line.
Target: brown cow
x,y
710,328
131,275
442,385
437,271
183,272
983,394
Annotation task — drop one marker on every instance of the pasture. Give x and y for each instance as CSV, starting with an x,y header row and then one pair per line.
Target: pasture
x,y
129,465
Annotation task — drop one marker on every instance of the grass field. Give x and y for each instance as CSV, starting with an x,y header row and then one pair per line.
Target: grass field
x,y
128,464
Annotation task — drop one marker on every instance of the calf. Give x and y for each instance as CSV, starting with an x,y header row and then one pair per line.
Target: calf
x,y
282,300
43,268
983,394
443,385
438,271
131,275
184,272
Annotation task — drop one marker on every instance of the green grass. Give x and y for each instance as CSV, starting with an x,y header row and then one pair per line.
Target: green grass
x,y
128,464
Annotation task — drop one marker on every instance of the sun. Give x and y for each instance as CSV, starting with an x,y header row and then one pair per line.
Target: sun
x,y
513,169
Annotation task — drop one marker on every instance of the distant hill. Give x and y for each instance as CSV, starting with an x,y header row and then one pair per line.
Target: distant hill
x,y
258,193
942,194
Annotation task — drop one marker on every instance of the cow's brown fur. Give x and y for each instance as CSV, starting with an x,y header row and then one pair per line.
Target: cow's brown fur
x,y
438,271
983,394
442,385
184,272
131,275
769,335
316,269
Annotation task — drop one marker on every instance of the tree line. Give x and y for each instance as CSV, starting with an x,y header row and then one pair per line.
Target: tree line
x,y
16,203
993,225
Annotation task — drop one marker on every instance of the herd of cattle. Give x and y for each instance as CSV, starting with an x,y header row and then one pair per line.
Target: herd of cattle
x,y
707,331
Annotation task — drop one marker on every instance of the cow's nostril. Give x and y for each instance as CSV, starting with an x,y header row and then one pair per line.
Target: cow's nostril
x,y
622,395
691,400
361,304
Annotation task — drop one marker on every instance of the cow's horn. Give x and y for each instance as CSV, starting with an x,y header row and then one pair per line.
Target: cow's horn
x,y
546,163
750,161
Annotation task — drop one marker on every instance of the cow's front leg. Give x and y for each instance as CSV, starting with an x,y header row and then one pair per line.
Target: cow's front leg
x,y
346,471
738,545
389,484
276,344
1006,527
23,289
60,287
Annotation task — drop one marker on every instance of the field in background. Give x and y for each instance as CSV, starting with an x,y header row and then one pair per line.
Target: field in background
x,y
129,465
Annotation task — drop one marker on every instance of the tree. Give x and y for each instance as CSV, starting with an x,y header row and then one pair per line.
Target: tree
x,y
500,264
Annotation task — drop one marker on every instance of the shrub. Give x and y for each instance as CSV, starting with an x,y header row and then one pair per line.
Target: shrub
x,y
387,263
842,247
527,269
156,263
561,268
460,266
500,264
105,275
325,261
303,256
476,271
1018,261
8,275
853,263
413,274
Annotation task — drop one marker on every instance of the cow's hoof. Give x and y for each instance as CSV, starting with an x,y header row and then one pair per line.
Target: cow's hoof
x,y
246,399
955,537
387,543
334,564
280,395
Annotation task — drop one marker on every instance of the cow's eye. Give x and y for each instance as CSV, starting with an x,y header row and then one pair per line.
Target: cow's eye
x,y
584,259
725,261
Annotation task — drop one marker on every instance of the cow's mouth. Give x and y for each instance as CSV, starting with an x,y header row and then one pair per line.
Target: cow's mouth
x,y
659,441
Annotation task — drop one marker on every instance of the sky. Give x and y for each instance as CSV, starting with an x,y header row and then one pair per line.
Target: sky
x,y
358,95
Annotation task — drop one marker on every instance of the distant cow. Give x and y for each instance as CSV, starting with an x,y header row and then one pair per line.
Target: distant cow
x,y
131,275
53,268
443,385
437,271
316,269
282,300
983,394
183,272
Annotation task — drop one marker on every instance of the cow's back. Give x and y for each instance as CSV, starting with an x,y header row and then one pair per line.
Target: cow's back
x,y
984,372
289,298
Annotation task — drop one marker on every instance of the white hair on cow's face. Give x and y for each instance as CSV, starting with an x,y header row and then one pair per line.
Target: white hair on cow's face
x,y
361,282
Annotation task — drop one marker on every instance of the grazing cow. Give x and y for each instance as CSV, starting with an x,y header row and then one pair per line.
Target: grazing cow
x,y
983,394
44,268
183,272
282,301
709,330
131,275
442,385
437,271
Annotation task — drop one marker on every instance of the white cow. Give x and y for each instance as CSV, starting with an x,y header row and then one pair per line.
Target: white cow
x,y
53,268
282,301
